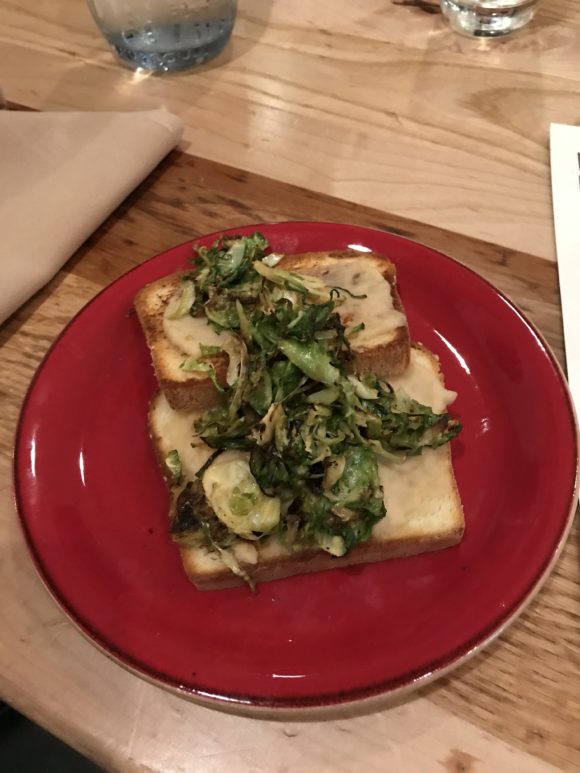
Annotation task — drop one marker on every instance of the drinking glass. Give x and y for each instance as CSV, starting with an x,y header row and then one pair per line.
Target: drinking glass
x,y
488,18
165,35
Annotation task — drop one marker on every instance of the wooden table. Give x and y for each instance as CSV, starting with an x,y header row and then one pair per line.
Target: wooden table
x,y
440,141
373,101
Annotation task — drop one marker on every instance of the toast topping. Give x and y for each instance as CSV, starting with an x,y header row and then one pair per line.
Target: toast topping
x,y
366,310
298,439
236,498
188,334
410,487
416,380
370,305
176,432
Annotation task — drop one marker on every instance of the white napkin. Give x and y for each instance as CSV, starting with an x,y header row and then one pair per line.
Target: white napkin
x,y
61,175
565,161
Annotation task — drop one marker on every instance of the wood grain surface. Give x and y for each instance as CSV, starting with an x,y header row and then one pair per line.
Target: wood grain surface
x,y
374,101
514,706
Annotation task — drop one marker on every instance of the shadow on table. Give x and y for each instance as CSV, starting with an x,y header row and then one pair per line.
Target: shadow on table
x,y
27,748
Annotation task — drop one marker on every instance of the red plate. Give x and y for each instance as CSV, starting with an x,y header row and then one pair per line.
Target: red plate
x,y
94,507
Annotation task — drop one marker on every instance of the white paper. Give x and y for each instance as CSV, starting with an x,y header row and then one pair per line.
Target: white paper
x,y
565,162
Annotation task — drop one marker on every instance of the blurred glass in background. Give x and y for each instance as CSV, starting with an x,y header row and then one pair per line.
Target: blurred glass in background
x,y
165,35
488,18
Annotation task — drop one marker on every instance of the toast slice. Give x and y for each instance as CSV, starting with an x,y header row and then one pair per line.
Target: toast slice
x,y
382,347
424,511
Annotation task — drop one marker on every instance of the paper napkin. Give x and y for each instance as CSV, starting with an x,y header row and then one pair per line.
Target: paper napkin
x,y
61,175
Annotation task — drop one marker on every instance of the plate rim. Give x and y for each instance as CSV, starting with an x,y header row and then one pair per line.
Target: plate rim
x,y
358,698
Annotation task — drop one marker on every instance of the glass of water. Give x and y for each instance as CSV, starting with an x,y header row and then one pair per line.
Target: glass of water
x,y
164,35
488,18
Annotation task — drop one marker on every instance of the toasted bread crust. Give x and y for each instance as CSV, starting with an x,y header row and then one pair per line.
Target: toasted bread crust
x,y
193,395
195,391
308,561
390,359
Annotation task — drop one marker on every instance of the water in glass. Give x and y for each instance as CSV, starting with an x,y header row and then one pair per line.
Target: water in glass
x,y
488,18
160,35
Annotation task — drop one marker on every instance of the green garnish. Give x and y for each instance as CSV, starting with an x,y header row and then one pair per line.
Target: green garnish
x,y
186,299
312,359
194,365
314,432
308,286
356,329
173,464
210,351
